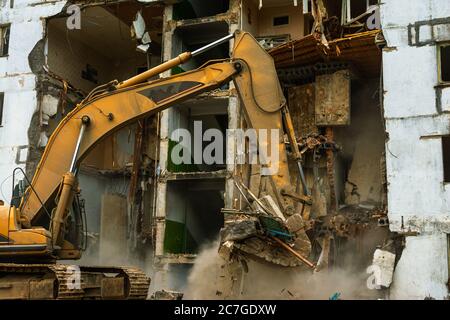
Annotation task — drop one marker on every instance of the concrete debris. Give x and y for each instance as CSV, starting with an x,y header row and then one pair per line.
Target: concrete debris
x,y
139,26
295,223
49,108
146,39
272,41
43,139
272,253
167,295
239,230
273,207
323,261
302,243
351,220
294,253
384,262
143,48
226,250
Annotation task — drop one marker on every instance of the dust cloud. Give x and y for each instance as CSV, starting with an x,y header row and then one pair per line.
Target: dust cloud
x,y
210,277
265,281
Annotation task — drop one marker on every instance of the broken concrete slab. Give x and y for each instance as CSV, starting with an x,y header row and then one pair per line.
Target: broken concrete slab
x,y
295,223
239,230
384,262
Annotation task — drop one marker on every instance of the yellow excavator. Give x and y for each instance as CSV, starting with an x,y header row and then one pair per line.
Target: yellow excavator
x,y
48,224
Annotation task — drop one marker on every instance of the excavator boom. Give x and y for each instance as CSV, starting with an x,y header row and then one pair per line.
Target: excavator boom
x,y
251,68
116,105
108,113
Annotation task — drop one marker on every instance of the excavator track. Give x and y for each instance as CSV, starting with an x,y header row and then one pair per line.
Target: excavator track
x,y
139,283
63,282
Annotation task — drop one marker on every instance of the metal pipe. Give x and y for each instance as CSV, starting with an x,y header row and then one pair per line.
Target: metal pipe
x,y
302,178
267,211
294,146
212,45
84,123
295,253
242,193
180,59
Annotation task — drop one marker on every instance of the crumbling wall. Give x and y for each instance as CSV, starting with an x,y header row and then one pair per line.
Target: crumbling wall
x,y
68,57
18,81
415,122
295,27
362,147
260,21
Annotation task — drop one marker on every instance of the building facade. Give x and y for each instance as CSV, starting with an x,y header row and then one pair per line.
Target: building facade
x,y
394,145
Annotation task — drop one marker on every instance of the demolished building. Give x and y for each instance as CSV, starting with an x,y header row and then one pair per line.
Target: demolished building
x,y
365,114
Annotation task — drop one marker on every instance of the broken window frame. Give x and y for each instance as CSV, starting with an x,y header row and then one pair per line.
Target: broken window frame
x,y
307,6
281,17
2,104
5,31
439,61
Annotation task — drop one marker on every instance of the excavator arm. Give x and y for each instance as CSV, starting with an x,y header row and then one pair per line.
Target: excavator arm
x,y
105,115
116,105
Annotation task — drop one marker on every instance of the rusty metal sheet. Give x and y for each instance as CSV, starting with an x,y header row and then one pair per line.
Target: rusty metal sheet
x,y
332,103
301,108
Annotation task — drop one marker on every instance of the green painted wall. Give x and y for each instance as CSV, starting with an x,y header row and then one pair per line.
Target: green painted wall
x,y
178,239
172,167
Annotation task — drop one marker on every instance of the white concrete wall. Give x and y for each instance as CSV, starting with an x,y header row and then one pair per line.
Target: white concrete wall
x,y
18,82
421,271
418,199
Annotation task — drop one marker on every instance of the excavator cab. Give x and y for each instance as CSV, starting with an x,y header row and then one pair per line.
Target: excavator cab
x,y
21,244
21,241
